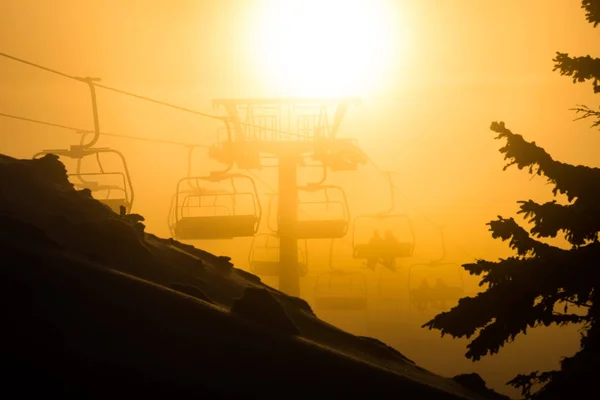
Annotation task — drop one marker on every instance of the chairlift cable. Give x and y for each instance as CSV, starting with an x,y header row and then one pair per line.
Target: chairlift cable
x,y
90,81
87,131
108,87
163,103
39,66
42,122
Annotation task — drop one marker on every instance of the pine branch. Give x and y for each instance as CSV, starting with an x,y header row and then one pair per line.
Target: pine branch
x,y
494,273
508,229
502,326
518,298
587,113
579,221
577,377
519,151
592,11
574,181
467,317
580,69
527,382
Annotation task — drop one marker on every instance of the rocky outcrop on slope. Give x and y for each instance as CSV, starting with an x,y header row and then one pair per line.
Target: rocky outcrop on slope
x,y
258,305
476,383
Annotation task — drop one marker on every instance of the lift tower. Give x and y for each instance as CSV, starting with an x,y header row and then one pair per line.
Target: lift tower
x,y
292,130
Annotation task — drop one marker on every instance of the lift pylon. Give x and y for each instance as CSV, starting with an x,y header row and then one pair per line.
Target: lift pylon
x,y
298,126
292,131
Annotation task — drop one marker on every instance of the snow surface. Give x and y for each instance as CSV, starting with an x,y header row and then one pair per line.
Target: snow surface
x,y
93,305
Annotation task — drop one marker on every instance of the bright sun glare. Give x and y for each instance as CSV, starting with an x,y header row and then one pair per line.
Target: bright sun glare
x,y
327,47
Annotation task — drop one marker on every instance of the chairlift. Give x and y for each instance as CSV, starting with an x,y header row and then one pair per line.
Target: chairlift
x,y
264,256
335,222
201,214
121,198
115,195
386,249
323,218
440,293
112,188
340,289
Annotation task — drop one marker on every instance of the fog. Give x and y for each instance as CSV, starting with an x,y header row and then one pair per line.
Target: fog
x,y
460,65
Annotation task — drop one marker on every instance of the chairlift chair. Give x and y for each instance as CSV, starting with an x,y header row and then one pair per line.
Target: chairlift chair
x,y
336,226
263,258
437,295
114,203
78,152
332,293
114,195
385,248
336,295
198,214
389,248
440,293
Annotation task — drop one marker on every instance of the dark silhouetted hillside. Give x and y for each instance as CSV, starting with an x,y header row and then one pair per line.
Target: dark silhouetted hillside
x,y
93,306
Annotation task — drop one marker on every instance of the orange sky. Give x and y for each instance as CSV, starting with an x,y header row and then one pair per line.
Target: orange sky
x,y
468,63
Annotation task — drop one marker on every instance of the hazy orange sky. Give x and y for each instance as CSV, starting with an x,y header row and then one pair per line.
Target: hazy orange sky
x,y
466,63
455,66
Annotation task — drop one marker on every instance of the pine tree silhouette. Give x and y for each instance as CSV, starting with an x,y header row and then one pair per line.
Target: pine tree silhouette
x,y
542,284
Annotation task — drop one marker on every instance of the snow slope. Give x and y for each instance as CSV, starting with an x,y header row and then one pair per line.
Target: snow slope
x,y
92,305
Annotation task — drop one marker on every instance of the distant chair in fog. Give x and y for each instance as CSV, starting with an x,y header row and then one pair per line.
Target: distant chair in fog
x,y
390,241
376,240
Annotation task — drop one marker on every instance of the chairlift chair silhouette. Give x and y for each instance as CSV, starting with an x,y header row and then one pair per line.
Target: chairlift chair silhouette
x,y
264,256
331,291
117,193
123,198
440,293
340,289
123,189
337,217
385,249
326,217
200,214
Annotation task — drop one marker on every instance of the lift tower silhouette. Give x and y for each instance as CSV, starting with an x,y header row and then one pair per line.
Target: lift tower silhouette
x,y
291,130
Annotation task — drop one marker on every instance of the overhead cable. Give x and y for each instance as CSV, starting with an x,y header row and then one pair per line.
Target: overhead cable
x,y
85,131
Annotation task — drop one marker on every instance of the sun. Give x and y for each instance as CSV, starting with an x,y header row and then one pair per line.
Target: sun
x,y
327,47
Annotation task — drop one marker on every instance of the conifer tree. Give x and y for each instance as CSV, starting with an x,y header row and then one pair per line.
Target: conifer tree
x,y
586,68
543,284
